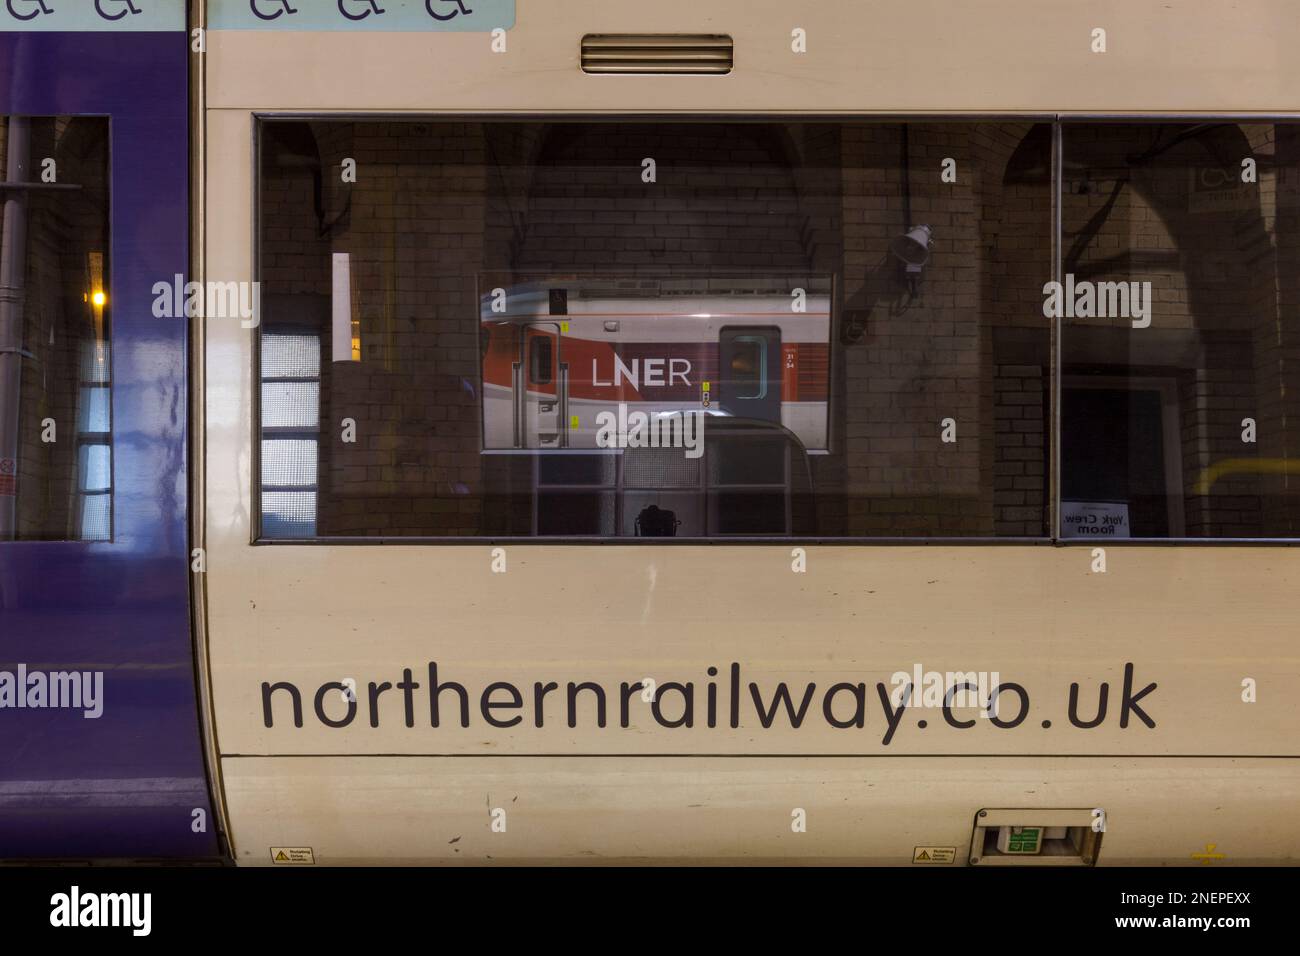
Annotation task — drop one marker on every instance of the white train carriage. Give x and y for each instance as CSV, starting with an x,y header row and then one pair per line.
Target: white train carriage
x,y
414,650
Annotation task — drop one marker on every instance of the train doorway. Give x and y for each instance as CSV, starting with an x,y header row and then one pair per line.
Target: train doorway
x,y
540,388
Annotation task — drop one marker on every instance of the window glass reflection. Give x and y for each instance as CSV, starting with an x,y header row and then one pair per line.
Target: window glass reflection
x,y
796,330
56,466
1180,398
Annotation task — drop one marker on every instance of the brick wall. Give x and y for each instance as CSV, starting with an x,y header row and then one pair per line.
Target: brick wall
x,y
927,359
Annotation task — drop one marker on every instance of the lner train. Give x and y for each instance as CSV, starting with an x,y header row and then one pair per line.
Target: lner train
x,y
557,358
685,433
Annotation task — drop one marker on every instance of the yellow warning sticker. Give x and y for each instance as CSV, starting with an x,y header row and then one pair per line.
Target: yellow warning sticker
x,y
934,854
564,326
292,855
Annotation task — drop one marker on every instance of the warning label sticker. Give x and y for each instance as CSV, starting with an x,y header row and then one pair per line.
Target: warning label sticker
x,y
292,855
934,854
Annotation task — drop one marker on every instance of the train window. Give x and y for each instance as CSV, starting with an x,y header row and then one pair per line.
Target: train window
x,y
748,367
1181,320
791,330
539,360
56,448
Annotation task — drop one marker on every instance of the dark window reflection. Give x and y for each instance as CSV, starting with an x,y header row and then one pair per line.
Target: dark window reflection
x,y
522,312
1180,412
540,357
56,452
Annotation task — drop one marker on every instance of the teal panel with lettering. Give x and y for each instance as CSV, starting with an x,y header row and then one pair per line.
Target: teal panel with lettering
x,y
84,16
392,16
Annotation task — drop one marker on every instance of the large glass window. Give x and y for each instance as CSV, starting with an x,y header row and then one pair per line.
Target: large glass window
x,y
692,329
809,330
1180,355
56,465
703,329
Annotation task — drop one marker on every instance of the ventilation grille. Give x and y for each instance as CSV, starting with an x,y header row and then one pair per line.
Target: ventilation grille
x,y
656,53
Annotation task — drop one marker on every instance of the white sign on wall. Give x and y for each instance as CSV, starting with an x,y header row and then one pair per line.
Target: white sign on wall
x,y
1094,519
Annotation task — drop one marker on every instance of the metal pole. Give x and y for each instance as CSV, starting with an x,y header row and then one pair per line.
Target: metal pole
x,y
1056,337
13,263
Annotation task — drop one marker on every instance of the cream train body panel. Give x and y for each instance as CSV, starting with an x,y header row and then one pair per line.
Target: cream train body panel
x,y
1197,621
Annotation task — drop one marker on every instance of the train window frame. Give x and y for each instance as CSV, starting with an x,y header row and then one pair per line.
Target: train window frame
x,y
1058,123
759,380
541,359
88,381
1062,122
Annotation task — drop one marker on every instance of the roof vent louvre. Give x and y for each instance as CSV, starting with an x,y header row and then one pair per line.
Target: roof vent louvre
x,y
703,54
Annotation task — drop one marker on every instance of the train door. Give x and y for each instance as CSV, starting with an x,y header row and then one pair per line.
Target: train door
x,y
105,758
540,387
749,372
749,477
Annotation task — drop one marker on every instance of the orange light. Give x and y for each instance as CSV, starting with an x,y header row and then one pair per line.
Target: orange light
x,y
98,298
